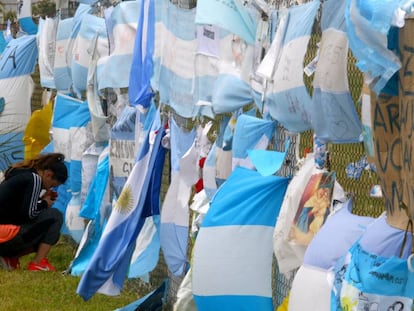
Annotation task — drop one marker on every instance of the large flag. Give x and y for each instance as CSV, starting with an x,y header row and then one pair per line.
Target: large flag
x,y
127,136
114,70
109,265
232,260
17,63
142,67
287,98
334,117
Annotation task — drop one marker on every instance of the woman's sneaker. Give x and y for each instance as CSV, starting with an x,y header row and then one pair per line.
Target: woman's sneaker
x,y
9,263
43,265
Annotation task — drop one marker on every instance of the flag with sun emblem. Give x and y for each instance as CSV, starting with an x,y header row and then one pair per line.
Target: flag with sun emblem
x,y
139,199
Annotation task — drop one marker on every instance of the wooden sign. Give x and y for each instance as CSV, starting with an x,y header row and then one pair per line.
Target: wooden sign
x,y
406,93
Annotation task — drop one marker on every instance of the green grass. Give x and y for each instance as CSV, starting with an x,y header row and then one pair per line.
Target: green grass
x,y
49,291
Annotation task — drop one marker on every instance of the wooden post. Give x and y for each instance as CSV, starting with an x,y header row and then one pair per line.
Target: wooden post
x,y
387,145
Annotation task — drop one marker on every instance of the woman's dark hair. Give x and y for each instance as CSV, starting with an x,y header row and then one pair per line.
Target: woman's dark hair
x,y
47,161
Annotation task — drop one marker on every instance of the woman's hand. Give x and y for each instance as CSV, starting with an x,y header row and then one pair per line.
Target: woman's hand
x,y
50,197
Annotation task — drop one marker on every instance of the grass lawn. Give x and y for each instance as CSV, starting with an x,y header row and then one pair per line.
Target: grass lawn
x,y
48,291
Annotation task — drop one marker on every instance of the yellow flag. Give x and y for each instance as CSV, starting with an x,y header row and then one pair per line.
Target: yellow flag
x,y
36,135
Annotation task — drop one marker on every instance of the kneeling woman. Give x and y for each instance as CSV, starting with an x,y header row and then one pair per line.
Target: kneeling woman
x,y
28,224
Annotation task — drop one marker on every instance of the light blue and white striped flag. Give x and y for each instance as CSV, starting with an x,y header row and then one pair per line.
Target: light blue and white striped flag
x,y
109,264
183,74
17,63
71,136
175,210
96,208
90,27
46,37
334,117
114,70
62,77
232,262
287,99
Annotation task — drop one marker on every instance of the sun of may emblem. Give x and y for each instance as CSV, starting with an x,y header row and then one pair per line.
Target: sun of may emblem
x,y
125,202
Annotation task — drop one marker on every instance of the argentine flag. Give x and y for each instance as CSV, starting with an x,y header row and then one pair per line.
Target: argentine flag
x,y
287,99
183,75
96,207
175,210
110,263
232,262
17,63
334,117
113,70
26,22
71,136
91,26
46,37
61,69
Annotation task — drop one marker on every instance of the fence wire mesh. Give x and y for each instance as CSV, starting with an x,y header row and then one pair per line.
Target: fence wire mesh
x,y
341,156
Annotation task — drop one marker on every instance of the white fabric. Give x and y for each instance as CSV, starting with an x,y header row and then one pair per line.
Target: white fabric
x,y
185,301
241,269
310,290
286,258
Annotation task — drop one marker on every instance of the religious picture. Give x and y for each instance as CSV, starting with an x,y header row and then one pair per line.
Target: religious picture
x,y
314,207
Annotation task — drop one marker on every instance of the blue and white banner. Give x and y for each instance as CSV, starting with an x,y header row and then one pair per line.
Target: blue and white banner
x,y
287,99
372,281
67,32
334,117
61,71
71,136
26,22
175,210
46,37
17,63
127,136
91,26
232,260
114,70
110,262
97,46
97,208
